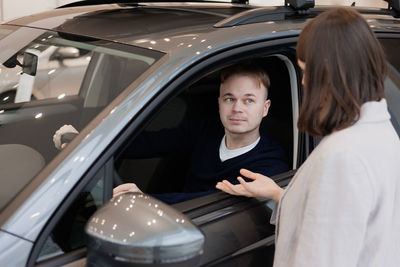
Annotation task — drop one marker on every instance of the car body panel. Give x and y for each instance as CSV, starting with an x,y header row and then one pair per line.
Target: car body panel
x,y
89,150
187,44
12,245
96,21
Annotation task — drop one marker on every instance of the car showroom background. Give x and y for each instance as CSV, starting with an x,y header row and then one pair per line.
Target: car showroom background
x,y
10,9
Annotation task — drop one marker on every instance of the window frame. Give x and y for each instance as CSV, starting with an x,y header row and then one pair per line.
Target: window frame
x,y
206,204
395,73
107,164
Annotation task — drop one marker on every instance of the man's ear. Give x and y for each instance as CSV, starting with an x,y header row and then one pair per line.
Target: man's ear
x,y
267,104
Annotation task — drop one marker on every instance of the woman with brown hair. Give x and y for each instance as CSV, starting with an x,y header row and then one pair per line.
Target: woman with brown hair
x,y
342,208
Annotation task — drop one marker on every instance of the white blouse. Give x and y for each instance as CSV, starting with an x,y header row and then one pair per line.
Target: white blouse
x,y
342,208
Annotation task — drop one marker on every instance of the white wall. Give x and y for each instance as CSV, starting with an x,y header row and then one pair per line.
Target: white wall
x,y
10,9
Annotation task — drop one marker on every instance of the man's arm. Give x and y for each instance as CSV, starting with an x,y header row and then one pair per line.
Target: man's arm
x,y
163,142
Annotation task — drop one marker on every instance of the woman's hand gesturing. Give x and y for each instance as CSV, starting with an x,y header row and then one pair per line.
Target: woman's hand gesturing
x,y
261,186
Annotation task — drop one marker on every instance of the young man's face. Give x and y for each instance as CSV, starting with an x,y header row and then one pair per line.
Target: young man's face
x,y
242,104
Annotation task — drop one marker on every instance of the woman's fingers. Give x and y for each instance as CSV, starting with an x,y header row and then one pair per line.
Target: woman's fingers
x,y
232,188
261,186
251,175
225,187
248,187
220,186
239,189
242,182
229,188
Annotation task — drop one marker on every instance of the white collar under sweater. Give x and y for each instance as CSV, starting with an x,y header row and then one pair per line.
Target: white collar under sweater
x,y
225,153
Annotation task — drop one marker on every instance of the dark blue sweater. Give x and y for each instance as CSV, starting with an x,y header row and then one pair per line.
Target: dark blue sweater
x,y
203,140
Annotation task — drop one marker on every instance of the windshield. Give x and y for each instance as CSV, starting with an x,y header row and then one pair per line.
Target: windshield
x,y
48,80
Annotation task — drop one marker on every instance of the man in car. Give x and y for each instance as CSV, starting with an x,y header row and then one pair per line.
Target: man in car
x,y
218,151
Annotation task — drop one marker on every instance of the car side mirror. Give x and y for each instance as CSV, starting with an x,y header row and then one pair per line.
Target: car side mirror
x,y
135,229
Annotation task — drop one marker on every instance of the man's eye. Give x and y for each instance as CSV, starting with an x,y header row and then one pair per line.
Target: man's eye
x,y
229,99
249,101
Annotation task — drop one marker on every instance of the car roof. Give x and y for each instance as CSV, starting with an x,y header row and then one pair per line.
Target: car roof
x,y
125,23
175,27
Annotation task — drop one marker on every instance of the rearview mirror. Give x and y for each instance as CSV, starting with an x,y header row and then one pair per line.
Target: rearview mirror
x,y
27,78
134,229
30,63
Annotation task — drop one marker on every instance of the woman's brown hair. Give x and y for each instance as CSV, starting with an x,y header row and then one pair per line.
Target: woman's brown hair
x,y
345,67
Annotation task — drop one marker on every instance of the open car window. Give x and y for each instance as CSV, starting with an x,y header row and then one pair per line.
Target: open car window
x,y
165,174
392,82
52,80
161,159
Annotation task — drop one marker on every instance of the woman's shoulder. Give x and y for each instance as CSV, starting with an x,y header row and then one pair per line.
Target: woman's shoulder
x,y
363,138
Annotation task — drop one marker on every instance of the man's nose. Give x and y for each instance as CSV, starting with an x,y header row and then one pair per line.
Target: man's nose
x,y
237,106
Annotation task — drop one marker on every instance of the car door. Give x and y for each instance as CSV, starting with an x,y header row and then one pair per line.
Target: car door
x,y
237,230
391,43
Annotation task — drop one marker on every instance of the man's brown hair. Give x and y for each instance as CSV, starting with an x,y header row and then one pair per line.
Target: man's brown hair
x,y
345,67
249,67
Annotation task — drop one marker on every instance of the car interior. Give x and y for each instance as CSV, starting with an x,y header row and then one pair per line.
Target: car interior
x,y
200,101
104,72
166,174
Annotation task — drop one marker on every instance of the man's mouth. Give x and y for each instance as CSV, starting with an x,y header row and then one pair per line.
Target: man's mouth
x,y
237,120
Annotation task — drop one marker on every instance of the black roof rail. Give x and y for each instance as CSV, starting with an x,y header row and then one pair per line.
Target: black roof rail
x,y
261,14
296,4
87,3
394,5
137,2
291,8
264,14
300,8
300,4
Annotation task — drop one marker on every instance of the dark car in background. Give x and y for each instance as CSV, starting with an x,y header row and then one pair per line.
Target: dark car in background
x,y
115,70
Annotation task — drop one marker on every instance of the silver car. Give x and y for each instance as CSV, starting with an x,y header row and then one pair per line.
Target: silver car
x,y
113,71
